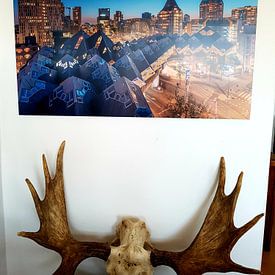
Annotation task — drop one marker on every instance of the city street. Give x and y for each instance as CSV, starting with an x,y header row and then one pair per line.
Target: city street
x,y
223,96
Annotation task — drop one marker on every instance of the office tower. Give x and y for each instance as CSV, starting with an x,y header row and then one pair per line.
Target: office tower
x,y
118,17
247,14
40,19
170,18
186,19
77,17
211,9
103,19
103,14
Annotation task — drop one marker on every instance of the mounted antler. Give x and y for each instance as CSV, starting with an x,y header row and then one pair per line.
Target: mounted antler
x,y
210,250
54,232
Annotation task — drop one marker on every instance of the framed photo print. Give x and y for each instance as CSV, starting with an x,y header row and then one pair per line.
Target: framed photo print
x,y
158,58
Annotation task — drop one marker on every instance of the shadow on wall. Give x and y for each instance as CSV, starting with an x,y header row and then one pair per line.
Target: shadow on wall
x,y
91,266
95,266
183,238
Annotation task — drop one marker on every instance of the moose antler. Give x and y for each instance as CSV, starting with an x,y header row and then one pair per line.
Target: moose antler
x,y
209,252
54,232
211,248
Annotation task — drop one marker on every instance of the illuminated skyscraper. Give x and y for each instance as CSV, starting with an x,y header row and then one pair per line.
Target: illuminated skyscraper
x,y
77,17
170,18
247,14
103,19
211,9
186,19
118,16
103,14
40,19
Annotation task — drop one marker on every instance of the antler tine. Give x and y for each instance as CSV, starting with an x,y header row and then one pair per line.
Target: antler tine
x,y
58,170
37,203
222,177
236,192
242,230
46,170
59,160
35,196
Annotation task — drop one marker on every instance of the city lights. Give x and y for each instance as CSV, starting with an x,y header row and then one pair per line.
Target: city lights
x,y
165,62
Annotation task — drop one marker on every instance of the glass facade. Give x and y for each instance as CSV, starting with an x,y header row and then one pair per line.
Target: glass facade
x,y
39,19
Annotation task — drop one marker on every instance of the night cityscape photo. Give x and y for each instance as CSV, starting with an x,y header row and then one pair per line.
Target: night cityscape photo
x,y
157,58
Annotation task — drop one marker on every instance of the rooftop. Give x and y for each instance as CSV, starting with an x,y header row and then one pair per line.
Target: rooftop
x,y
170,5
205,2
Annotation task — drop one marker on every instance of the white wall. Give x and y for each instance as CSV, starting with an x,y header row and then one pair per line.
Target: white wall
x,y
3,266
161,170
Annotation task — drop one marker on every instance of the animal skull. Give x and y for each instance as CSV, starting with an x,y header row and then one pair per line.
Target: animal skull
x,y
130,257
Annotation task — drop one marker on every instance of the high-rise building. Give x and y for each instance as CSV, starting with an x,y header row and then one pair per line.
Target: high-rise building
x,y
247,14
103,14
186,23
186,19
118,17
68,24
170,18
40,19
211,9
17,36
195,26
146,15
247,39
103,19
77,17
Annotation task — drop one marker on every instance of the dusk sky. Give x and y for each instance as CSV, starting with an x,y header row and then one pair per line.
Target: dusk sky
x,y
136,8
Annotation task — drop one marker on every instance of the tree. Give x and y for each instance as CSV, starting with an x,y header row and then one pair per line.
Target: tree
x,y
182,107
